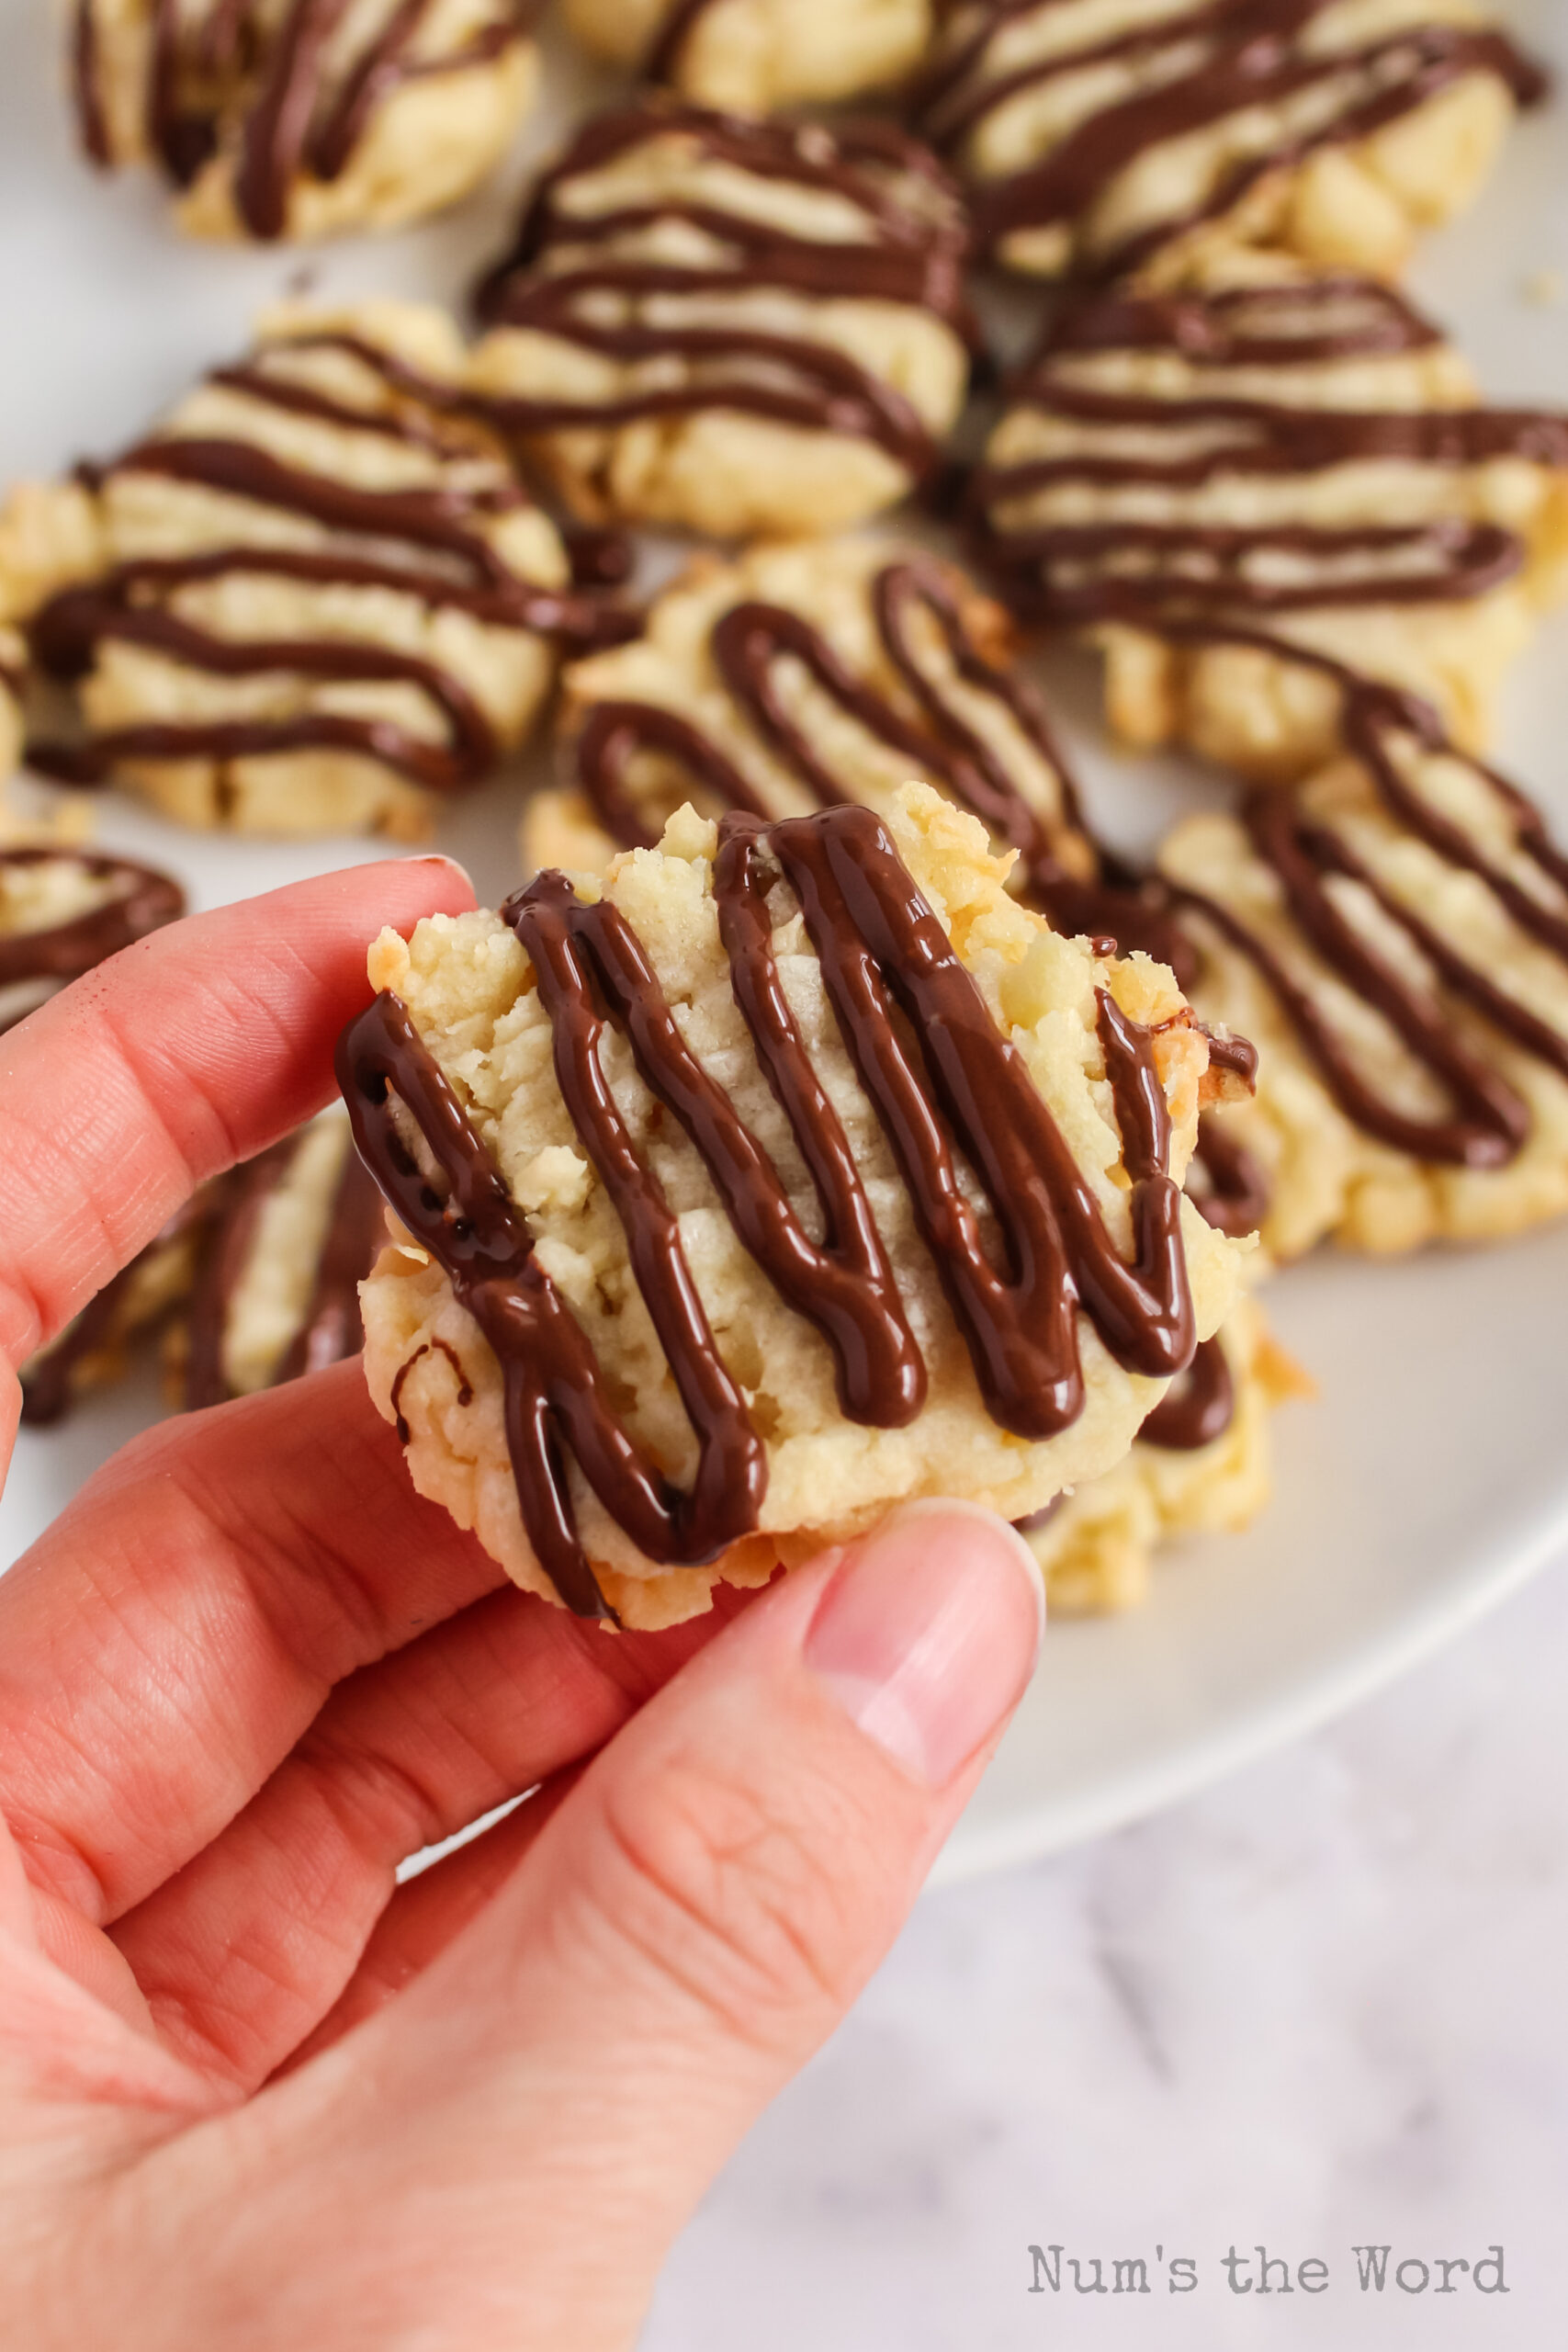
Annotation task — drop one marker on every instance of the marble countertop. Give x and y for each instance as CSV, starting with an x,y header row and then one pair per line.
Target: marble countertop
x,y
1320,2008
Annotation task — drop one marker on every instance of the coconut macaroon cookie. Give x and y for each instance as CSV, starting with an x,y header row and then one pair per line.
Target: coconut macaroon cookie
x,y
756,55
1393,936
1102,138
65,910
252,1282
1305,458
808,673
310,601
791,1170
1201,1465
300,118
734,326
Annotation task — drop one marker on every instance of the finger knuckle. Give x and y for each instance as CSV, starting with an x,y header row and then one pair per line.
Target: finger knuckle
x,y
755,1900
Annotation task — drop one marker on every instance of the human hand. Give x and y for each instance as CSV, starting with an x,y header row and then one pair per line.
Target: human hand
x,y
252,2092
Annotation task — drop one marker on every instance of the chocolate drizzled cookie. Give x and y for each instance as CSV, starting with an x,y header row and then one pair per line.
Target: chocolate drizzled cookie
x,y
314,595
304,118
779,1202
731,325
64,911
1102,141
254,1280
1395,936
1306,456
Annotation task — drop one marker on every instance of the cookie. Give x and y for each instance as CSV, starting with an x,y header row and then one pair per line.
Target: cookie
x,y
613,1120
1393,937
311,601
252,1282
63,911
1306,457
1201,1465
803,673
734,327
757,55
1101,138
808,673
303,119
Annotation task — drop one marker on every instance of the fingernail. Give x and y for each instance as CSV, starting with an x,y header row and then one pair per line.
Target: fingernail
x,y
928,1633
439,858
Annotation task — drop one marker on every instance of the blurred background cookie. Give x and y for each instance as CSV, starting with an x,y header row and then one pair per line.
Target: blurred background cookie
x,y
1298,457
729,325
806,673
310,601
1101,138
1201,1465
1393,937
63,909
252,1282
300,118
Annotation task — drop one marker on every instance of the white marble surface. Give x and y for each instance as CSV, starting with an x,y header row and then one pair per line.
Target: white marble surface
x,y
1320,2006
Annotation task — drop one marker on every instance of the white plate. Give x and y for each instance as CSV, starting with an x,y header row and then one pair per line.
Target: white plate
x,y
1430,1476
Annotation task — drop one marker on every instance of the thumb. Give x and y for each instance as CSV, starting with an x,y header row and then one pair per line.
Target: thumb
x,y
515,2143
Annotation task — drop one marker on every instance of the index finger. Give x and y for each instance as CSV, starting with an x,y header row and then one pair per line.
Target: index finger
x,y
177,1058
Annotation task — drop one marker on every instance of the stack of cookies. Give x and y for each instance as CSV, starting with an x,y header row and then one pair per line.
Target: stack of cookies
x,y
835,1119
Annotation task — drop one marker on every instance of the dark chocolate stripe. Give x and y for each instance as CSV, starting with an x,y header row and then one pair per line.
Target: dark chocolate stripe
x,y
890,973
92,124
1198,1408
662,62
1236,1199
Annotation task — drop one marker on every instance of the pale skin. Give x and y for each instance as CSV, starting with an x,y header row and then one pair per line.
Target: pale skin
x,y
252,2092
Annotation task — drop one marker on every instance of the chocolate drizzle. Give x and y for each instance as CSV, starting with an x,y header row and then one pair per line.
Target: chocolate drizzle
x,y
266,82
140,900
1489,1121
571,272
1198,1408
1233,1197
662,62
428,542
1125,568
425,1348
941,1080
1191,69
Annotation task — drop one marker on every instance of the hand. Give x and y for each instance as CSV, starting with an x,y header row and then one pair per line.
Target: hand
x,y
252,2092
